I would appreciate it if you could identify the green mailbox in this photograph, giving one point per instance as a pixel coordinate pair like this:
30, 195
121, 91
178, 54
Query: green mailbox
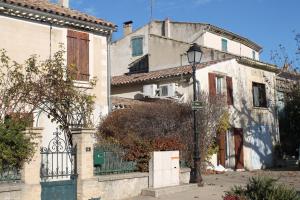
98, 157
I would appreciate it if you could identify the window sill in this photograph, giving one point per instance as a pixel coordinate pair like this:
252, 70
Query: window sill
82, 84
260, 108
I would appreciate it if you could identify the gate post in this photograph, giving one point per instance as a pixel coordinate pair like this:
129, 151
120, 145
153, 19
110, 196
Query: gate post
84, 141
31, 171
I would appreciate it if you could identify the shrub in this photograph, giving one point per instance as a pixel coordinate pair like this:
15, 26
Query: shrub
15, 147
161, 126
263, 188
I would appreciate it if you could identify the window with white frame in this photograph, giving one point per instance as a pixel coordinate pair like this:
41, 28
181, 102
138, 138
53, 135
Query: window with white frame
167, 90
220, 84
259, 95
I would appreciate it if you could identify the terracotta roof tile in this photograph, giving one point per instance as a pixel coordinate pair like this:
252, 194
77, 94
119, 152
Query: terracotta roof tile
48, 7
154, 75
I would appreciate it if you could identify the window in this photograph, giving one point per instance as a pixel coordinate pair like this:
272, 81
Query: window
164, 91
259, 95
140, 65
167, 90
253, 55
137, 46
224, 45
78, 55
219, 84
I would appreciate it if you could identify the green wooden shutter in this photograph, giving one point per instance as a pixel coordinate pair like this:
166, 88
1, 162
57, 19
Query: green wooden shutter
137, 46
224, 45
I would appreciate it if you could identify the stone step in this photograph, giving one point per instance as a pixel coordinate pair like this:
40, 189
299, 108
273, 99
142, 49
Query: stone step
157, 192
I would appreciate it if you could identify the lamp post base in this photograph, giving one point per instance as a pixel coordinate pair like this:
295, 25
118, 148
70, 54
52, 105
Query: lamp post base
196, 177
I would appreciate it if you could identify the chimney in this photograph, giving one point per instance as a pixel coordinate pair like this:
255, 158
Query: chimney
167, 28
127, 28
64, 3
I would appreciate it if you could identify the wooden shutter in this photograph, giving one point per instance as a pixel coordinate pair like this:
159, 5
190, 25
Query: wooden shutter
238, 148
78, 54
229, 90
212, 84
137, 46
84, 59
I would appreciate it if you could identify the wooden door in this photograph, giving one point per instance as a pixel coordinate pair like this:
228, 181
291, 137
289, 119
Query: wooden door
238, 148
222, 148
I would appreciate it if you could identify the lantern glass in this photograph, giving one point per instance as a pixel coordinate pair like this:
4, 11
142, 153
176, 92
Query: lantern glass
194, 54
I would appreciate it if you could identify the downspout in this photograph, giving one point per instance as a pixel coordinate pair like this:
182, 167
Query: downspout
108, 41
276, 109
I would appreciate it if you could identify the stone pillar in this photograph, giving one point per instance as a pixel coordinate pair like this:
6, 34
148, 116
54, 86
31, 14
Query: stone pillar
84, 140
31, 170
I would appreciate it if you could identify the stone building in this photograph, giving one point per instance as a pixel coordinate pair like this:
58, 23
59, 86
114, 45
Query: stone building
162, 44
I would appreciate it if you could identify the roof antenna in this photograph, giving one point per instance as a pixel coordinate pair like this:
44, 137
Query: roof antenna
151, 10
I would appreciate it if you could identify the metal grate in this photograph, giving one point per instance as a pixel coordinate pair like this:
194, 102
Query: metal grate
110, 160
10, 175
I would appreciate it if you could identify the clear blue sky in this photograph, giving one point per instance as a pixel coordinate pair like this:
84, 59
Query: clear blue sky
266, 22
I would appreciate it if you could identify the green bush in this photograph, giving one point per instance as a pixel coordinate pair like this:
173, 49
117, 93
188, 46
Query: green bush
15, 147
263, 188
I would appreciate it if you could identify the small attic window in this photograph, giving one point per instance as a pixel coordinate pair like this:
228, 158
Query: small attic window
137, 46
224, 45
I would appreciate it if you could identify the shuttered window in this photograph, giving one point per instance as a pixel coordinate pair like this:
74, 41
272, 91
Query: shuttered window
229, 90
78, 55
259, 95
216, 86
137, 46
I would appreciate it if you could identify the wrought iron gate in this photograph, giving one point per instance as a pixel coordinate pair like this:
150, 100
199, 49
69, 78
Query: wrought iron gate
58, 169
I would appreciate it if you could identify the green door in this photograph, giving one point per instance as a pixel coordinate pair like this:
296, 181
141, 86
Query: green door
59, 190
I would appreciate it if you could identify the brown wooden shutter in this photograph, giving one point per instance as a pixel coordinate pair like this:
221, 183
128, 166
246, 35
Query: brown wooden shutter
78, 54
238, 148
212, 84
229, 90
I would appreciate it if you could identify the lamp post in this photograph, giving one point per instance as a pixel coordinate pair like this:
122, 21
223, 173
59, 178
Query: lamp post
194, 55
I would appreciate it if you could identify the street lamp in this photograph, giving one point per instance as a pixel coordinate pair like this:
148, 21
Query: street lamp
194, 55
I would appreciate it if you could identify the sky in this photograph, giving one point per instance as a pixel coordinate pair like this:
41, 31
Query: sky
266, 22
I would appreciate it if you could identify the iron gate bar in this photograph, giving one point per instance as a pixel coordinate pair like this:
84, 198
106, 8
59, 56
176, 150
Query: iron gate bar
58, 159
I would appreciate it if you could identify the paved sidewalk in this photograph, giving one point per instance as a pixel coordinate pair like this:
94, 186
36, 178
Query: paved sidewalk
215, 185
202, 193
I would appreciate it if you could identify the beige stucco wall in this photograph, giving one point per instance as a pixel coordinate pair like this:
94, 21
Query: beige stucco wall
22, 38
121, 53
165, 53
215, 41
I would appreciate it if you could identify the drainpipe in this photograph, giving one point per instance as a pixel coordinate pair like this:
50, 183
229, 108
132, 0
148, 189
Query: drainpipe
109, 40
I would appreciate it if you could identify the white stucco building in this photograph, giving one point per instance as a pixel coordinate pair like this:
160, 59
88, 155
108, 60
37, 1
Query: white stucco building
249, 86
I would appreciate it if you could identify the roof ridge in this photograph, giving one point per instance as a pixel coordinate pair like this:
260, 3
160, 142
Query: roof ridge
162, 73
47, 7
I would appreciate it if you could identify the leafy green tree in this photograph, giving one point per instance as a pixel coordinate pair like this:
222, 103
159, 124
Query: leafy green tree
289, 122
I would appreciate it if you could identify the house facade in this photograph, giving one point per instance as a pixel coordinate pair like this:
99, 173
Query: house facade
162, 44
249, 87
40, 27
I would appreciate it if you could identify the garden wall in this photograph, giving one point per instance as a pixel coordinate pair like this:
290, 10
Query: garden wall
11, 191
